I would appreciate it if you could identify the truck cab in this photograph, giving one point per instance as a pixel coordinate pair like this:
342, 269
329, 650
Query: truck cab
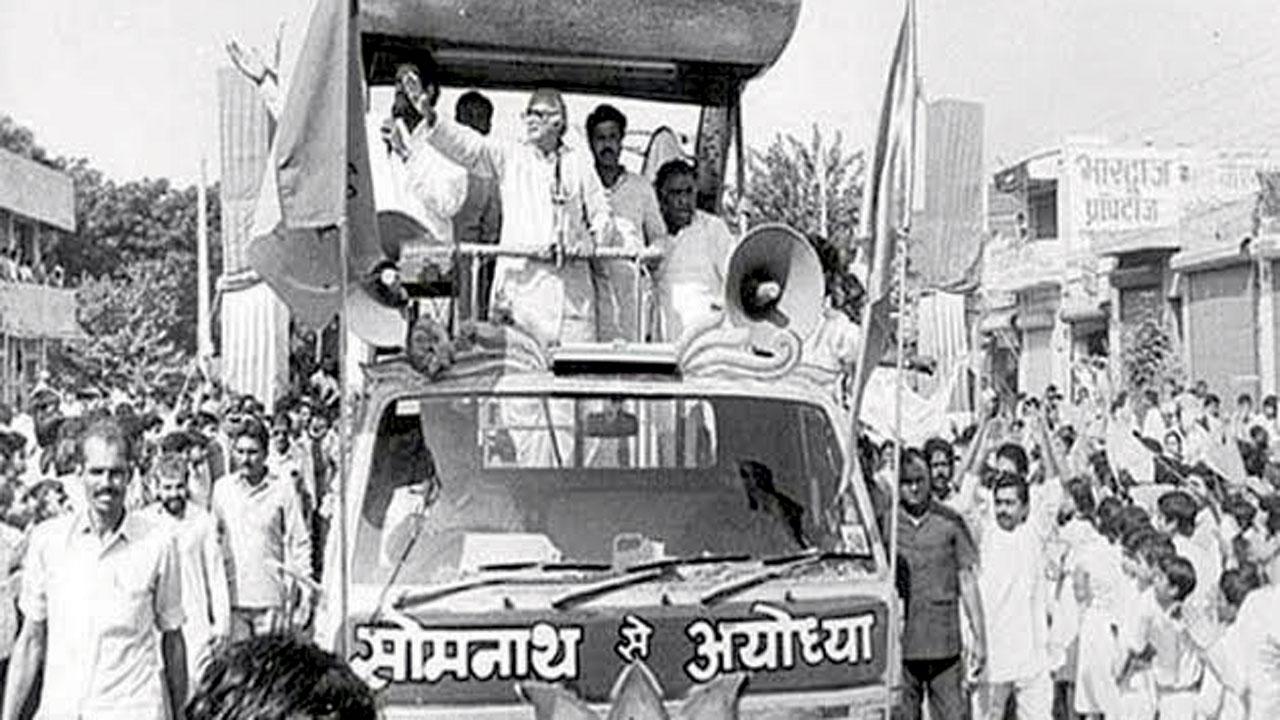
670, 529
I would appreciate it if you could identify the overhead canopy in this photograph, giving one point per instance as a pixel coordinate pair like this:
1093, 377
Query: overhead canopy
696, 51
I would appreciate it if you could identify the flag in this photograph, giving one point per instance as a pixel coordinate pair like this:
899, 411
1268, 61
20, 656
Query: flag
317, 176
886, 203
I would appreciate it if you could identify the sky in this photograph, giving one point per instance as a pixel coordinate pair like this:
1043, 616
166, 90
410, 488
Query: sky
130, 83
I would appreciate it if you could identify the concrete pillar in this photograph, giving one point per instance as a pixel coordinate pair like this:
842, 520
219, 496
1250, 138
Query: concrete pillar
1266, 334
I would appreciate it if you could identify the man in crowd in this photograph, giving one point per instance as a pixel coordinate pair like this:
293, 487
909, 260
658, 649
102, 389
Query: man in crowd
202, 564
102, 597
260, 515
480, 219
638, 218
551, 199
938, 569
1015, 597
696, 258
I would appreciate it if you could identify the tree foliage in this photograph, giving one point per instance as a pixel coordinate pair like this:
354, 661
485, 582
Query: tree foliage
133, 256
134, 337
20, 140
782, 185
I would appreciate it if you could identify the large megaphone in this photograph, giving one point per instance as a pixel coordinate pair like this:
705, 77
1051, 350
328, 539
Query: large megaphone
775, 278
376, 309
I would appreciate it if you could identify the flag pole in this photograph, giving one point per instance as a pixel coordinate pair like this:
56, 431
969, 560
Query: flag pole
904, 234
344, 442
204, 335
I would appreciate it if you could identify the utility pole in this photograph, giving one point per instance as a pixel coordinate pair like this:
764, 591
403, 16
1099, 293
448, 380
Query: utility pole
204, 336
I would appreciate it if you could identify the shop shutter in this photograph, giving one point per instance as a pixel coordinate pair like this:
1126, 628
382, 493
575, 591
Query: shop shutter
1221, 319
1035, 367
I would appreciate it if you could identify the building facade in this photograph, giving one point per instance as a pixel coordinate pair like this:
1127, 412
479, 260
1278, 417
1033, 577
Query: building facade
37, 211
1160, 259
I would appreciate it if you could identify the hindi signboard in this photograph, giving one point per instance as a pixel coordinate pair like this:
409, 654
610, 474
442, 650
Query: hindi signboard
1121, 190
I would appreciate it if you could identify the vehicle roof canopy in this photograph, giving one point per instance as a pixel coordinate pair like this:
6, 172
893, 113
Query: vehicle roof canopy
695, 51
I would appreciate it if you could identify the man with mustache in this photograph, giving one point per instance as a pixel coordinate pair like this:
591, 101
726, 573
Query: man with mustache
260, 515
637, 215
102, 596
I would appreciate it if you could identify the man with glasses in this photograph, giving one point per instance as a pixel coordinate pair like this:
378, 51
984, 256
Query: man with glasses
551, 199
938, 562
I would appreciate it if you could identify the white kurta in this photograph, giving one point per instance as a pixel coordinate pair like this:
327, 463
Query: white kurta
545, 198
640, 224
691, 279
205, 600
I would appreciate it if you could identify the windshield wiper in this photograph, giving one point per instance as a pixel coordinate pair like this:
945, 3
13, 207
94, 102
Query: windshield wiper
774, 568
638, 575
496, 574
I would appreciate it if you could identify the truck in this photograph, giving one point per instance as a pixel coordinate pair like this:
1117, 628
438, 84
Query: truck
626, 529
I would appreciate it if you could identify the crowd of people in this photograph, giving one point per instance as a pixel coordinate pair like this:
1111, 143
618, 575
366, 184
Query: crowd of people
139, 537
16, 267
1114, 556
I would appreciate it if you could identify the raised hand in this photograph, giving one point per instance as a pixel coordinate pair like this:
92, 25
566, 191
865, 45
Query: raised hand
248, 61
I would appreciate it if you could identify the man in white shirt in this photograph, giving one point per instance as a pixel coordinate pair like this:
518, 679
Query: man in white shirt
201, 561
691, 278
551, 200
1013, 581
637, 215
102, 596
260, 515
1176, 512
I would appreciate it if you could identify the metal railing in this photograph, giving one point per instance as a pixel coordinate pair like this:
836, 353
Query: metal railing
556, 254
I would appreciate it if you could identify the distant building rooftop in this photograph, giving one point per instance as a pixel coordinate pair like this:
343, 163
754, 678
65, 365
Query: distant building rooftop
36, 191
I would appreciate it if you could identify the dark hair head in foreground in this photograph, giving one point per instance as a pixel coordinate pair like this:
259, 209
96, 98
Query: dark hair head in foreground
276, 677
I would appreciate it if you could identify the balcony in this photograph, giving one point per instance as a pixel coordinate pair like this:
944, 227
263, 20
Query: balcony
38, 312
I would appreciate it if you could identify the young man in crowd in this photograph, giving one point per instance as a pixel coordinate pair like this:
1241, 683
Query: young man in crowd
1014, 585
201, 560
260, 515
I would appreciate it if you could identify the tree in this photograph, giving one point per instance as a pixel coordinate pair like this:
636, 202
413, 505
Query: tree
134, 334
20, 140
782, 185
135, 249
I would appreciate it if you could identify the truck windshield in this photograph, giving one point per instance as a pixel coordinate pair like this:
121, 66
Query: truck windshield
462, 482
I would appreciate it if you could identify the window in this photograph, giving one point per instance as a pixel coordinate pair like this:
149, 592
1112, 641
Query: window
527, 478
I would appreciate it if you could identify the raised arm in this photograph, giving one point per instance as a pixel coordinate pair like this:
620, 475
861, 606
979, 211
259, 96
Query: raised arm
459, 143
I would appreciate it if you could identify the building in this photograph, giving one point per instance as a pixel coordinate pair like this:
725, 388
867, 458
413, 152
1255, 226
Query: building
254, 348
37, 211
1044, 304
1097, 249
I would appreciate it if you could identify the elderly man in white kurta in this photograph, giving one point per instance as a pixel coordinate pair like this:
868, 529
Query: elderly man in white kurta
551, 197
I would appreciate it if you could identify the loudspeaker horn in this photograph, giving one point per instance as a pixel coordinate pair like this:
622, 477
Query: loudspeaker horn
775, 278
